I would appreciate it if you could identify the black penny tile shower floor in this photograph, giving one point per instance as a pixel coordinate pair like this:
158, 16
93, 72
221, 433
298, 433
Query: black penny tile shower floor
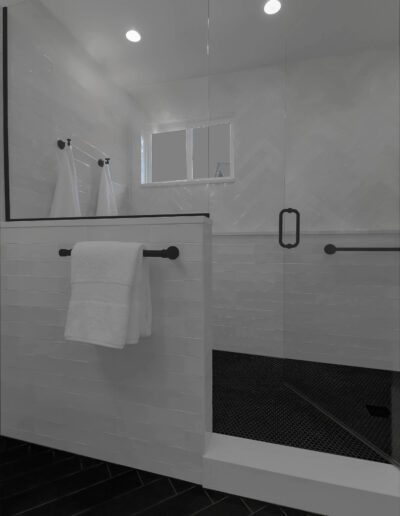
39, 481
258, 398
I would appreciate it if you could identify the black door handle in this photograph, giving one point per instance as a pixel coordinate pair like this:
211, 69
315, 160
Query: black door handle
281, 220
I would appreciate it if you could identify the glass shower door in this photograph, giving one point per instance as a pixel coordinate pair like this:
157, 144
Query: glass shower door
341, 282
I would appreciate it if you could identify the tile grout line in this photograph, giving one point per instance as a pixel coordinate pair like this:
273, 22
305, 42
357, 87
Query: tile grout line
208, 506
140, 478
84, 511
172, 486
245, 504
208, 495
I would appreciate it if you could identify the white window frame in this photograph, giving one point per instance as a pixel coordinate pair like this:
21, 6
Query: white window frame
146, 155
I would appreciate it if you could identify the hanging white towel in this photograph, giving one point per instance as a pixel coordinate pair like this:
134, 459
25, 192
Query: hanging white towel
106, 201
110, 301
66, 196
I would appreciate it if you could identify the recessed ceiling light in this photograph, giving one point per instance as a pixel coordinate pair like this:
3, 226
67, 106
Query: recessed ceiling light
133, 35
272, 7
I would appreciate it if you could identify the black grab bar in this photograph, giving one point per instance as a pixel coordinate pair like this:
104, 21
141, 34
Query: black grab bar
332, 249
172, 253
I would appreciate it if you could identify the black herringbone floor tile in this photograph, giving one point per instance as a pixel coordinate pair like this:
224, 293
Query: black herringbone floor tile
183, 504
45, 493
134, 501
230, 506
86, 498
19, 484
46, 482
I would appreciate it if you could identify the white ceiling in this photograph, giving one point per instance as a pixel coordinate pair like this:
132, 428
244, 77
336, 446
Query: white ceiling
175, 33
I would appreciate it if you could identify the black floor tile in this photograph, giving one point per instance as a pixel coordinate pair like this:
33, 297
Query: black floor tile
14, 453
22, 483
7, 443
181, 485
215, 496
135, 501
147, 476
231, 506
87, 462
45, 493
253, 505
270, 510
116, 469
88, 497
62, 455
26, 464
72, 485
184, 504
294, 512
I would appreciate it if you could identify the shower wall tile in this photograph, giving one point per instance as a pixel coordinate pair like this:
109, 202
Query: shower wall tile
247, 309
143, 406
306, 305
320, 135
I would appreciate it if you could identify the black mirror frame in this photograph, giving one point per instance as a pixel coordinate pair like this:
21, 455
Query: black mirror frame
5, 118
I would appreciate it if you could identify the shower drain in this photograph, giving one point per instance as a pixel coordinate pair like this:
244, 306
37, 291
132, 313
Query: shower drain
378, 411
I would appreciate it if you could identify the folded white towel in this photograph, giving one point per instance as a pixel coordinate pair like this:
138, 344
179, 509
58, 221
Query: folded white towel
110, 301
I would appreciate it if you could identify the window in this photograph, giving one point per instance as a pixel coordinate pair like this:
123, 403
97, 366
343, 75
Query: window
199, 154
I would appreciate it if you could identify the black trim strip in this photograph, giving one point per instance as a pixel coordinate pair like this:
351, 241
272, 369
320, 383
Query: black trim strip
5, 117
153, 216
7, 203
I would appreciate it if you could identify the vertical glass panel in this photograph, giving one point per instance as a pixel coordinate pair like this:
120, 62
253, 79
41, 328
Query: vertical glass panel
342, 173
247, 93
169, 156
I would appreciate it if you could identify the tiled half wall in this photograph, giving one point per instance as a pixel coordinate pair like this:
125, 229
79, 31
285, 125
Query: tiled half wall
144, 406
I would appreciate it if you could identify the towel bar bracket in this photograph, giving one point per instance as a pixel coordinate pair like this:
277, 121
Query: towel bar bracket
172, 253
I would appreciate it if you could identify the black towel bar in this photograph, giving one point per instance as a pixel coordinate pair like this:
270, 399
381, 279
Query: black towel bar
172, 253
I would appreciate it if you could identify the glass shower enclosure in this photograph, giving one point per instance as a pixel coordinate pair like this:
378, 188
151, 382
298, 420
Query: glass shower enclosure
313, 227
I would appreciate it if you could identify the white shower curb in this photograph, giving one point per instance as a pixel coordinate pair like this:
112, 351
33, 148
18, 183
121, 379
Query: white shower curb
312, 481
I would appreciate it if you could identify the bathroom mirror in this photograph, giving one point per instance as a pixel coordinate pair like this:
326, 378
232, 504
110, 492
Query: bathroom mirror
105, 100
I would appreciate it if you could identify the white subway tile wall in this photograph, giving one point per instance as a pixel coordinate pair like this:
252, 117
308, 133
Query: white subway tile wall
143, 406
304, 304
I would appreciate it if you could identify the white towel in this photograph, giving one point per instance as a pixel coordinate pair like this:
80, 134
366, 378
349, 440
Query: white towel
110, 301
66, 196
106, 200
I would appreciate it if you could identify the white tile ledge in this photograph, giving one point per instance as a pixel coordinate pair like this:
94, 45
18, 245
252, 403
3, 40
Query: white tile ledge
145, 221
